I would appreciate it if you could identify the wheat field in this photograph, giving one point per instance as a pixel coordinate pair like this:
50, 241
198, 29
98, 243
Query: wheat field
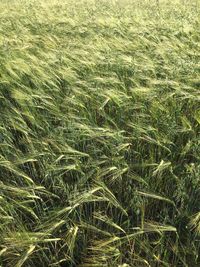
100, 133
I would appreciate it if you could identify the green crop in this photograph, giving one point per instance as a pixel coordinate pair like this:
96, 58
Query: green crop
99, 133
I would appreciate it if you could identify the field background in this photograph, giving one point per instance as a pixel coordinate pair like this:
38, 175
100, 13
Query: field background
99, 133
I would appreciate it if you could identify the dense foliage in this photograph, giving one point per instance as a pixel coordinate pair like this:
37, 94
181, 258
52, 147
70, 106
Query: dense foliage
99, 133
